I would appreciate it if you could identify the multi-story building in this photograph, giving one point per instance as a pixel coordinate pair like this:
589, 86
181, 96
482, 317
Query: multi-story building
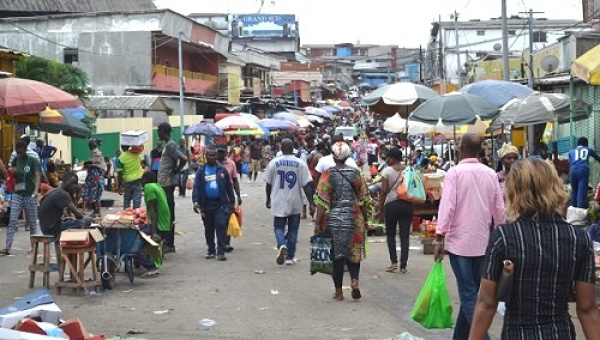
28, 8
478, 38
367, 63
124, 52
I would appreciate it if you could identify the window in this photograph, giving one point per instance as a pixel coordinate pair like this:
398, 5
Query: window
539, 37
71, 55
512, 32
480, 33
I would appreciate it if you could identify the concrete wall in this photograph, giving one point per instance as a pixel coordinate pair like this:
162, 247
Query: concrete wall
106, 125
63, 144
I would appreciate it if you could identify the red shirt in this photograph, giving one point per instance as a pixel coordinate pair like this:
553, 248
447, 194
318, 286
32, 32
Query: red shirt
229, 165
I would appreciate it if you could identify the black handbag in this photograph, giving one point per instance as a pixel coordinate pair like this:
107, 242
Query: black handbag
505, 283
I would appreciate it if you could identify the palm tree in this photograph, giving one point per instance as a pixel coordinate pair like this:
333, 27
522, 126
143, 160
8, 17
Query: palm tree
66, 77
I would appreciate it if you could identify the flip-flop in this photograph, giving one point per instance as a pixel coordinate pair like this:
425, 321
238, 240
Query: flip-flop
391, 268
4, 252
404, 271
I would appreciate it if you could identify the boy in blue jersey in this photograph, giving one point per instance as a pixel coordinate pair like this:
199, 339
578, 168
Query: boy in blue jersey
579, 173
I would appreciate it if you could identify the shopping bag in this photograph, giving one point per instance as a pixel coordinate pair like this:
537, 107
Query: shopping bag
433, 308
245, 168
234, 229
320, 255
412, 187
237, 211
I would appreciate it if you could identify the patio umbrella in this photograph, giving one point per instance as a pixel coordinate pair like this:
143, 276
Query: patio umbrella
399, 97
315, 119
343, 104
331, 109
497, 92
316, 111
50, 116
70, 126
276, 124
237, 122
24, 96
205, 129
304, 123
455, 108
537, 108
286, 116
80, 113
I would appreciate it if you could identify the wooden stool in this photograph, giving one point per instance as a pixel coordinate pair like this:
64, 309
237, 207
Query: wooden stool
73, 258
45, 266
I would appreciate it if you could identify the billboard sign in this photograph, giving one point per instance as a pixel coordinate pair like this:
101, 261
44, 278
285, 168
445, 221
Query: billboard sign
262, 26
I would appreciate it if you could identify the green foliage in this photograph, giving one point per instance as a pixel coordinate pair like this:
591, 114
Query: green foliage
170, 111
66, 77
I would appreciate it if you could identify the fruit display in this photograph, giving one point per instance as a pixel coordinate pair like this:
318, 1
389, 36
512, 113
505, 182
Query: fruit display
139, 215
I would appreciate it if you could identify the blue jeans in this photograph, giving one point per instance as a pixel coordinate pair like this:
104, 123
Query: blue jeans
291, 238
467, 271
216, 221
132, 191
579, 179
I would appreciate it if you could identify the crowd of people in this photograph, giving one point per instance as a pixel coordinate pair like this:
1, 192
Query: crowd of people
485, 215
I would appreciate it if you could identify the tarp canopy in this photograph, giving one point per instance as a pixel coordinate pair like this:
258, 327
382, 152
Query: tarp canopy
587, 67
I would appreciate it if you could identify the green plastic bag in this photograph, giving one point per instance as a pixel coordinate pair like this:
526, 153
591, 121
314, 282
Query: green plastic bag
433, 308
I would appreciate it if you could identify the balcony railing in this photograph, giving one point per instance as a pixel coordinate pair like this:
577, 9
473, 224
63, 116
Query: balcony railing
173, 72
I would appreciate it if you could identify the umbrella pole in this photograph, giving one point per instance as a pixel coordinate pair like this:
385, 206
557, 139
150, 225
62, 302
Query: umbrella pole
454, 133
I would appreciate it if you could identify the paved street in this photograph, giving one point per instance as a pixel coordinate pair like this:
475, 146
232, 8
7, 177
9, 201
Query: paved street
240, 301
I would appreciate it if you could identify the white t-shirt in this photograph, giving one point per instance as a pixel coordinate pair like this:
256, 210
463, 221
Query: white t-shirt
287, 176
327, 162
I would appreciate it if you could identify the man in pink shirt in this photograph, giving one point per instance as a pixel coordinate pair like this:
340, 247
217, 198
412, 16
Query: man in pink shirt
229, 165
471, 202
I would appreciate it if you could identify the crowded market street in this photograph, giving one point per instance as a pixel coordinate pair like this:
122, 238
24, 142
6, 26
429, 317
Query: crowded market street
241, 302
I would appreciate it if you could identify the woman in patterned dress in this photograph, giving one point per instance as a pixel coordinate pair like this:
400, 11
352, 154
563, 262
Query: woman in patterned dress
93, 187
548, 256
342, 199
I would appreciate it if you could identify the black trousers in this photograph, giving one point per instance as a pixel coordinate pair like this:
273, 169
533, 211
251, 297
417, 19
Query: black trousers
338, 271
169, 237
398, 213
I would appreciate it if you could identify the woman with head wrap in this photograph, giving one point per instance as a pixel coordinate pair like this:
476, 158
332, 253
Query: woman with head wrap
342, 198
508, 155
94, 182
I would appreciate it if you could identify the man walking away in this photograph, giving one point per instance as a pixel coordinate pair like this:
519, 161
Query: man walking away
130, 176
579, 174
472, 200
171, 163
213, 199
183, 175
286, 178
229, 165
256, 158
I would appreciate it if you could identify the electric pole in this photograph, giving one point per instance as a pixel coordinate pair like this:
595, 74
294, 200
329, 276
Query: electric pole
505, 64
458, 66
181, 81
389, 67
442, 59
530, 78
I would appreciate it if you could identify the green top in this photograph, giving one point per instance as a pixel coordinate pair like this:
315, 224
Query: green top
154, 192
131, 166
26, 170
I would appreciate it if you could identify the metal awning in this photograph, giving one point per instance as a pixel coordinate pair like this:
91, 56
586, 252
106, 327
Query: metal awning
150, 103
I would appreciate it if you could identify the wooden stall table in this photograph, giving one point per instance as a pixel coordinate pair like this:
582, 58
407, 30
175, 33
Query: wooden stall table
73, 258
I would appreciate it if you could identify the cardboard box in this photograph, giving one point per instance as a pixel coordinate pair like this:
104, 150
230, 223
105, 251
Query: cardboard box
75, 330
134, 137
29, 326
39, 304
150, 246
80, 237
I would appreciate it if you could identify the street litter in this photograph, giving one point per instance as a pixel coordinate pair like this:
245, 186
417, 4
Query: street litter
180, 233
160, 312
127, 291
259, 271
264, 308
407, 336
134, 331
36, 316
274, 292
207, 323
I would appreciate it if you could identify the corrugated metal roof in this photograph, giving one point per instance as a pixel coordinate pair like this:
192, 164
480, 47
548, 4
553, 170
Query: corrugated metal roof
153, 103
70, 6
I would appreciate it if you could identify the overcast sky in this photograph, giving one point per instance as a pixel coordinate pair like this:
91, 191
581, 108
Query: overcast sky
387, 22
